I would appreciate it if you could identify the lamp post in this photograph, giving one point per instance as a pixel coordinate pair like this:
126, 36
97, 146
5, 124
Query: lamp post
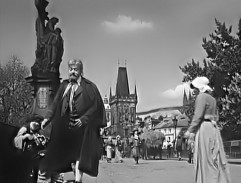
174, 120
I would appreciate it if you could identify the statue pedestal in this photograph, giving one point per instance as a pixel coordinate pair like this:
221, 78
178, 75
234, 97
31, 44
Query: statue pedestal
44, 88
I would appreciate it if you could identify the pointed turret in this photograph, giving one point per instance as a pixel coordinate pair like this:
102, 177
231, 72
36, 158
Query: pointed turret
110, 96
190, 97
185, 99
122, 85
136, 94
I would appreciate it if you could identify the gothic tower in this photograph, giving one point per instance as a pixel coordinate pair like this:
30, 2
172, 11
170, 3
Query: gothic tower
185, 99
123, 106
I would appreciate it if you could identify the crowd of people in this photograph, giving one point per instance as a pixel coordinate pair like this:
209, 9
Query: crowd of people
116, 148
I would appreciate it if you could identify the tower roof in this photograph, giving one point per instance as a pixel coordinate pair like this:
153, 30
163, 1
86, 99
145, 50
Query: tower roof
136, 93
185, 99
190, 97
122, 85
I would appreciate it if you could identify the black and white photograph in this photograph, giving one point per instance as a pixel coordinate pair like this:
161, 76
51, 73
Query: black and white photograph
120, 91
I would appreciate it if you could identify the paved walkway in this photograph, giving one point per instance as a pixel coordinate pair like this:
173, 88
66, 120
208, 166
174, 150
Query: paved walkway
149, 171
234, 161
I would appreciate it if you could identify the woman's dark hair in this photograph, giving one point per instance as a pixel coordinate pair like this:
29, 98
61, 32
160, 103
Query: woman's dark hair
36, 127
34, 117
191, 86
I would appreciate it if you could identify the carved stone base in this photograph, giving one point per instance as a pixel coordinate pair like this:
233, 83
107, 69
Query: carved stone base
44, 88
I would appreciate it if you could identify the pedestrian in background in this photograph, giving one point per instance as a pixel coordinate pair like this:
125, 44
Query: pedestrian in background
209, 157
169, 149
102, 145
179, 147
143, 149
135, 145
190, 148
127, 148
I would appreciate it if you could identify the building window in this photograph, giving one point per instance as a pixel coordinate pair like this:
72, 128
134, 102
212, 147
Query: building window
105, 101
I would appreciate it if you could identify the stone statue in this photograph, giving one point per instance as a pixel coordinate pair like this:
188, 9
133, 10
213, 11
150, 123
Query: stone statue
50, 47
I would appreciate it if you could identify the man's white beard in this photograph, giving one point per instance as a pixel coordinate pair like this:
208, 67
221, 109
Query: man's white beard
73, 78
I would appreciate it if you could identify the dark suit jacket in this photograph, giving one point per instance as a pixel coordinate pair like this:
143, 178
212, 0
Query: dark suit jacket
84, 143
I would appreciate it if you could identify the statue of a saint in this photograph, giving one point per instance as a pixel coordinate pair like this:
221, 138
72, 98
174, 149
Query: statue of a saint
50, 48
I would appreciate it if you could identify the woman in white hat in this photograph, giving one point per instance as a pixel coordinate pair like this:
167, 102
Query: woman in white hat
135, 145
209, 156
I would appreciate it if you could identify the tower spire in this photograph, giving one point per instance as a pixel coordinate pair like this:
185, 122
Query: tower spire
136, 93
110, 93
185, 99
190, 97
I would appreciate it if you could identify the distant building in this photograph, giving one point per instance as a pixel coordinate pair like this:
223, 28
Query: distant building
123, 106
107, 110
162, 119
170, 131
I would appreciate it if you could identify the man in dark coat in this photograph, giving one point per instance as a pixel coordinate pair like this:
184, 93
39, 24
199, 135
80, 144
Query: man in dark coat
77, 114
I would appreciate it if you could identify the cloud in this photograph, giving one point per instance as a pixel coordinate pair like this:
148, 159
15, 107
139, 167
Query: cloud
176, 93
126, 24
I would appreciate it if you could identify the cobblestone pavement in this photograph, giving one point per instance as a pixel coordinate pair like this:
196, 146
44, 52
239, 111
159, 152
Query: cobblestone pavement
149, 171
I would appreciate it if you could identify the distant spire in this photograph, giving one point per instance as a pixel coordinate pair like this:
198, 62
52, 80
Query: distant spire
110, 95
136, 93
190, 97
110, 92
185, 100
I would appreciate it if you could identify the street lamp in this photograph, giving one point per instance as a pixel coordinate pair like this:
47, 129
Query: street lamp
174, 120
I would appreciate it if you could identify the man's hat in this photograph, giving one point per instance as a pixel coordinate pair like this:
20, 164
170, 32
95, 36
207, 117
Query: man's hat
136, 129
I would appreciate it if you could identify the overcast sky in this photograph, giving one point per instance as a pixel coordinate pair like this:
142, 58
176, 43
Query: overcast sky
154, 37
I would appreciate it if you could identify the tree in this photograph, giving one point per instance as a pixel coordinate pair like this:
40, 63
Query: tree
231, 109
189, 109
15, 92
153, 138
221, 66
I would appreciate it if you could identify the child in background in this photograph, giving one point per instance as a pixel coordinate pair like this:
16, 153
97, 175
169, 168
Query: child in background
28, 132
